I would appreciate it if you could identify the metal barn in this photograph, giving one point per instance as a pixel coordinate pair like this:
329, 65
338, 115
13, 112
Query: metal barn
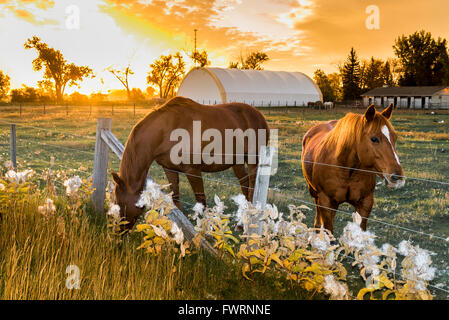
255, 87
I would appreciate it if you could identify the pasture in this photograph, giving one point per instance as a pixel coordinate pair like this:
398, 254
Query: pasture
421, 206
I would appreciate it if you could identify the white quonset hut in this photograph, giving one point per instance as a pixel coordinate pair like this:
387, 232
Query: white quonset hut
259, 88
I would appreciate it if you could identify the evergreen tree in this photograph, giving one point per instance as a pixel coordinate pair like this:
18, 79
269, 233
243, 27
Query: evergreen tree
387, 75
350, 73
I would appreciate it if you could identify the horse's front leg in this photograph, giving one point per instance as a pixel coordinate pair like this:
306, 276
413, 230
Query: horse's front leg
173, 179
326, 209
196, 182
363, 207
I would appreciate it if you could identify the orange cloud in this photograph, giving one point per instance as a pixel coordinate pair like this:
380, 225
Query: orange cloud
28, 10
337, 26
178, 19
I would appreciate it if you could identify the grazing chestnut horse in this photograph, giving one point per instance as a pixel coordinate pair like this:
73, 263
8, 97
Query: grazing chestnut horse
151, 140
365, 143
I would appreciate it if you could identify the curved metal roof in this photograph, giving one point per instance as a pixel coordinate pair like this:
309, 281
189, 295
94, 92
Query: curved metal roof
250, 85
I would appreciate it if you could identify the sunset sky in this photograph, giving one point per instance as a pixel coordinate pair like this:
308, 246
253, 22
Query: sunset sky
298, 35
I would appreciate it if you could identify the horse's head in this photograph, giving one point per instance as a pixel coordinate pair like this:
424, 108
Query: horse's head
126, 199
377, 146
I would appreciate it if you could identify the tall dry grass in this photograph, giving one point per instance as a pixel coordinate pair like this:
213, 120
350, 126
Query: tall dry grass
36, 250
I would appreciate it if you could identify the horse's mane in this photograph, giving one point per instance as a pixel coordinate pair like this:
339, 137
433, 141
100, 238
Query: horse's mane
348, 131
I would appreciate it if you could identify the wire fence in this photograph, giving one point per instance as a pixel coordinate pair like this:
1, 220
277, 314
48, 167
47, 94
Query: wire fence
55, 146
65, 149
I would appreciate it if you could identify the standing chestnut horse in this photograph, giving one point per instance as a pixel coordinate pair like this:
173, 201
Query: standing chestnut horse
340, 160
150, 140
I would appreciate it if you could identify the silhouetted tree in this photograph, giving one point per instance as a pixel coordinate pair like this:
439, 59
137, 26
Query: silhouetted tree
424, 60
200, 58
371, 74
325, 86
24, 94
166, 74
122, 76
4, 85
252, 61
56, 68
137, 95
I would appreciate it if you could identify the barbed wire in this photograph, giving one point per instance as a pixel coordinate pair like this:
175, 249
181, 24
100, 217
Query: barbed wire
329, 165
48, 130
375, 266
446, 239
279, 192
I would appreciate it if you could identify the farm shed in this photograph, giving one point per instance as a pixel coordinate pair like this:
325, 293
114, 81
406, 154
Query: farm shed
256, 87
433, 97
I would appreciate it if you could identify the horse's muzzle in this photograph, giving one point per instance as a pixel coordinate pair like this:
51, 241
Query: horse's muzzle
394, 181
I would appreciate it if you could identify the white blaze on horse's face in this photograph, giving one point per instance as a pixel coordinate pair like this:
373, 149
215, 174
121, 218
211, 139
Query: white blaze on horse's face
386, 133
398, 183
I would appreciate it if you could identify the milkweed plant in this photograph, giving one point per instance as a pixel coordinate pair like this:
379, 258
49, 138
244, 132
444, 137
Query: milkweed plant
308, 257
271, 242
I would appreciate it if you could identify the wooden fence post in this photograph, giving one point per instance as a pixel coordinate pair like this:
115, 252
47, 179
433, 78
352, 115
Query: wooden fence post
99, 175
20, 109
261, 186
12, 142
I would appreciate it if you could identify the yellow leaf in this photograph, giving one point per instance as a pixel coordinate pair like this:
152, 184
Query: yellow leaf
294, 277
152, 215
254, 260
308, 285
386, 282
144, 244
276, 258
141, 227
363, 292
229, 249
246, 269
232, 238
387, 293
197, 240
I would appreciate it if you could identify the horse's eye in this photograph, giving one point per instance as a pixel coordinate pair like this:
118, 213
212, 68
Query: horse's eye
375, 140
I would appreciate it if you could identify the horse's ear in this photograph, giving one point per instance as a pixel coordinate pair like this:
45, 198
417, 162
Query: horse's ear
118, 181
370, 113
387, 113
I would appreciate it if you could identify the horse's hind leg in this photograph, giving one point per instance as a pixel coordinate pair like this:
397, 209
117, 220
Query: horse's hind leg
196, 182
241, 174
173, 179
317, 215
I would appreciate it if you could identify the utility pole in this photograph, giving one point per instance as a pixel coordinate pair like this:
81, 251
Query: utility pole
194, 52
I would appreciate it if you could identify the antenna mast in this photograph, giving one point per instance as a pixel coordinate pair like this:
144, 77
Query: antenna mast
194, 52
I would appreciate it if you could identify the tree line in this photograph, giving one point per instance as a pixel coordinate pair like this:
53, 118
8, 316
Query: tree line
164, 76
420, 60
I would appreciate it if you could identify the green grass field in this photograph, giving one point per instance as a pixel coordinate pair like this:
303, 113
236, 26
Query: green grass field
423, 147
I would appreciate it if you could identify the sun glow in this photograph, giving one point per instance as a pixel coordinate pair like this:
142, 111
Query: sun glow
99, 43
